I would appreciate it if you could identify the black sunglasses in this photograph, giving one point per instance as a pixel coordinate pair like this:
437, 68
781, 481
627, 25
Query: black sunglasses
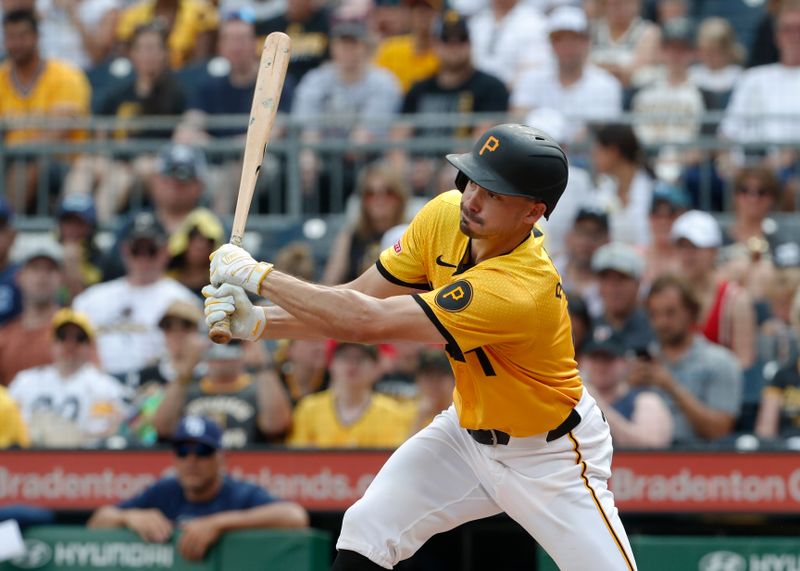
148, 249
80, 336
199, 449
175, 323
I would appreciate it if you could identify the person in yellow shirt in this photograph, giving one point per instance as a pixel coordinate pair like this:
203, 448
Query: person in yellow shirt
32, 87
350, 414
13, 431
191, 24
470, 273
411, 57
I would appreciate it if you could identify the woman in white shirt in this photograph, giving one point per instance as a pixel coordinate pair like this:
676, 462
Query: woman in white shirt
624, 186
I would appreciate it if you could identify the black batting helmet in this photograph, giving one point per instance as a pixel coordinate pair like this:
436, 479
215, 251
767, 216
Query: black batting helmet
515, 160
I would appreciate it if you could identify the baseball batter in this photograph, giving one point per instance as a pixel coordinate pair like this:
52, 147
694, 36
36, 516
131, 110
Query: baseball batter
523, 436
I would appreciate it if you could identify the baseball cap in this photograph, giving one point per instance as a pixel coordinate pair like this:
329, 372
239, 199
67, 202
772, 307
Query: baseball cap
678, 30
568, 19
433, 359
68, 316
618, 257
353, 29
181, 162
452, 26
195, 428
80, 205
6, 213
674, 196
45, 249
182, 309
146, 225
787, 255
370, 350
592, 213
231, 351
609, 347
699, 228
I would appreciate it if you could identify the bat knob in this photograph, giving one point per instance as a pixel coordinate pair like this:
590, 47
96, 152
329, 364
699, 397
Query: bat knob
221, 332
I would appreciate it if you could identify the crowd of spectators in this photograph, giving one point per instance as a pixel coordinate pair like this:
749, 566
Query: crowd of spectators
684, 302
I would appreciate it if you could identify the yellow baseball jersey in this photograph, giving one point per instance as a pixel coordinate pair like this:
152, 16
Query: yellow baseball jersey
194, 17
12, 428
399, 56
315, 423
508, 332
61, 89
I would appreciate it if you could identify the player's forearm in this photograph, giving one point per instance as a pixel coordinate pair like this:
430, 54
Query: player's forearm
337, 313
283, 325
278, 514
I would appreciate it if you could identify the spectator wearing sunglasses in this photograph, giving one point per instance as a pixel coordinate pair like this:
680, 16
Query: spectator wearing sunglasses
70, 402
201, 499
126, 310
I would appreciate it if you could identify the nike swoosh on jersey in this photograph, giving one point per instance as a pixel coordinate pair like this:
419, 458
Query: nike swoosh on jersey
440, 262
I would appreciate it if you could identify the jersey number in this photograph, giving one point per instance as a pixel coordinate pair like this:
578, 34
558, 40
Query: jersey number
559, 290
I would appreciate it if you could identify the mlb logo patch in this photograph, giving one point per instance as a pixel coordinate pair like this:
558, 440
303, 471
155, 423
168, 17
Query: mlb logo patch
397, 247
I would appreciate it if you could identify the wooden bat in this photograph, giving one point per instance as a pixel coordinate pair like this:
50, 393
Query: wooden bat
267, 95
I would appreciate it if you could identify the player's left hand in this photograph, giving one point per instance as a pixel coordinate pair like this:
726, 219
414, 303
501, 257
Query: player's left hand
234, 265
197, 536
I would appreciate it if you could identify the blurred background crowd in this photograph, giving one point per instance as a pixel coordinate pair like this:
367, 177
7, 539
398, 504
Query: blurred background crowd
123, 123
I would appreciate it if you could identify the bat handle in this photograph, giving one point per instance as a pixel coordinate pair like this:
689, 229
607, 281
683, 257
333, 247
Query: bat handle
221, 332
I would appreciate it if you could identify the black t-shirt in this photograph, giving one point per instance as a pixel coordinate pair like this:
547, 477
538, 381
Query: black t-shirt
309, 40
787, 382
167, 98
481, 93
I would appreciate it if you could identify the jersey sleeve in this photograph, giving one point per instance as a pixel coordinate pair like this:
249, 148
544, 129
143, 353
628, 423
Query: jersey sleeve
403, 263
258, 496
482, 308
152, 497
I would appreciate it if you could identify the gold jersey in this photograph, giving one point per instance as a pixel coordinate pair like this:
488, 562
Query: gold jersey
384, 424
505, 320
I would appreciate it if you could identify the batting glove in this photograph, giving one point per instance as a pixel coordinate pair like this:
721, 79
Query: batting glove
247, 321
233, 265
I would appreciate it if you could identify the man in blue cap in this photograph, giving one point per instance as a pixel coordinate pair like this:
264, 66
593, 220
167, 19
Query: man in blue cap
200, 499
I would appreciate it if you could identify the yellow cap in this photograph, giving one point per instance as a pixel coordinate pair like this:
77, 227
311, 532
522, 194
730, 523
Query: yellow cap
206, 222
67, 315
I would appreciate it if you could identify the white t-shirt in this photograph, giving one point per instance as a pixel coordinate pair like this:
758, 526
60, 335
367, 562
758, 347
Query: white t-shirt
89, 399
579, 193
58, 38
678, 108
508, 47
763, 91
596, 96
126, 320
629, 223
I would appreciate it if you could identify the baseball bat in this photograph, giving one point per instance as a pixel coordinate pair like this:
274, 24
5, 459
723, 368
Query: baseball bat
267, 95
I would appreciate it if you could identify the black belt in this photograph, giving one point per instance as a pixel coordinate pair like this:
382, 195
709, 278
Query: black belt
495, 437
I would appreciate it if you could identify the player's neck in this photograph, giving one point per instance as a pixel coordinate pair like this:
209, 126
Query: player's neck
484, 249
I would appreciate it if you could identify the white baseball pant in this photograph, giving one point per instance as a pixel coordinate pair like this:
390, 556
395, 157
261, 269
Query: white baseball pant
441, 478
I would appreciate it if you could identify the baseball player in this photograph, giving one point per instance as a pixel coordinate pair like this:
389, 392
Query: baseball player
523, 436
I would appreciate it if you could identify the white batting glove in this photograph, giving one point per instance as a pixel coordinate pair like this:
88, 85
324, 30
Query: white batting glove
234, 265
247, 321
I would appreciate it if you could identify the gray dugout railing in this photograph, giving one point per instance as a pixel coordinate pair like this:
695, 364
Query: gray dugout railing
281, 190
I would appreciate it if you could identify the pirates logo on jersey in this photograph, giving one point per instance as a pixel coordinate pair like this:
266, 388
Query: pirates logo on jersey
455, 296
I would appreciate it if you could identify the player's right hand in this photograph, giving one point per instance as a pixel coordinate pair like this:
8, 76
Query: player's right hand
247, 321
150, 525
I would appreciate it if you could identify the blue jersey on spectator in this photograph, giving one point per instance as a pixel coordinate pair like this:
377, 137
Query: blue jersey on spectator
10, 296
167, 496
